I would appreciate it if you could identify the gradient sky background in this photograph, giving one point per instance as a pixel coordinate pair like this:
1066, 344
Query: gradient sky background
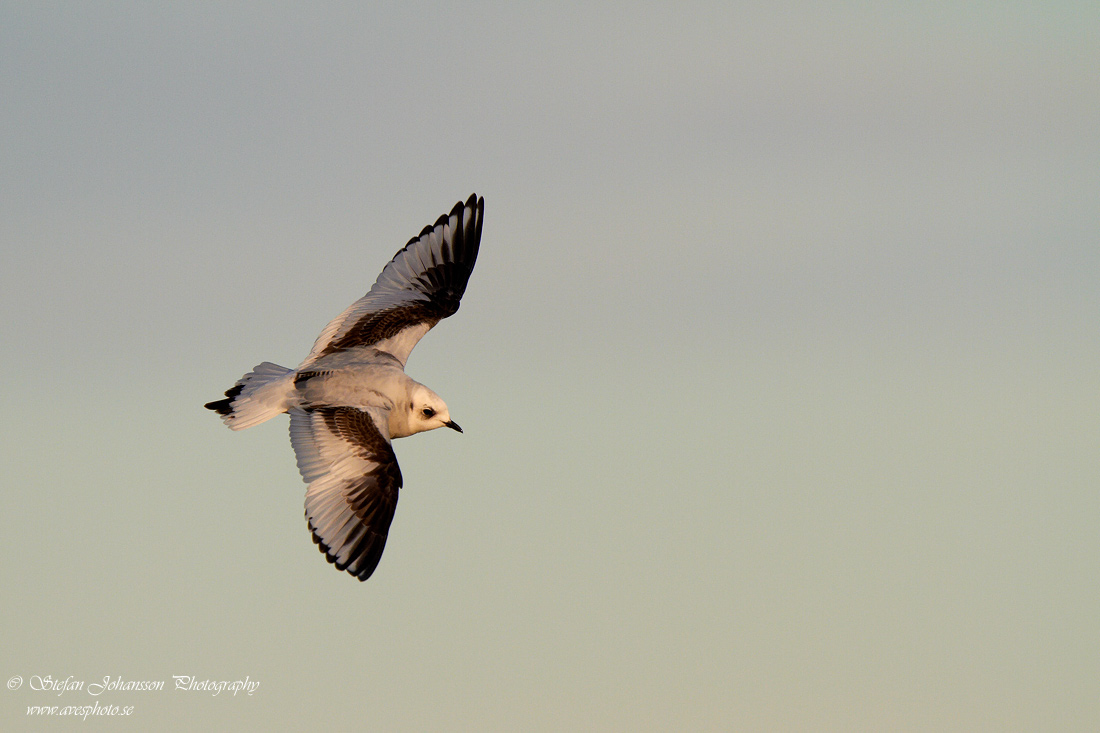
780, 368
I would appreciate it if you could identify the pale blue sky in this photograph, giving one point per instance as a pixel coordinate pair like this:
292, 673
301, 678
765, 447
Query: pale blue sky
779, 369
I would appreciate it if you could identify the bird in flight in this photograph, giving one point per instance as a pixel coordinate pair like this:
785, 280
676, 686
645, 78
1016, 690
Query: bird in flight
351, 397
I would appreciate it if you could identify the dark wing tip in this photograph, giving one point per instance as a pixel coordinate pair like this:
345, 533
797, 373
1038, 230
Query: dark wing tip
450, 278
368, 554
475, 203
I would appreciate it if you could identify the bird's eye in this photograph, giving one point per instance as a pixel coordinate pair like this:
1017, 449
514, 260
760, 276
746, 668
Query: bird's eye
427, 412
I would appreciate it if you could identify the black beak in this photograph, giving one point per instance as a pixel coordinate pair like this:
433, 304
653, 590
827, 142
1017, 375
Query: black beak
453, 425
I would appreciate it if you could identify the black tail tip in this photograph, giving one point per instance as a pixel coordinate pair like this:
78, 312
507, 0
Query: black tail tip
222, 407
225, 407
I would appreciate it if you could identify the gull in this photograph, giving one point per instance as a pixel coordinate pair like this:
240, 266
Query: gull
351, 397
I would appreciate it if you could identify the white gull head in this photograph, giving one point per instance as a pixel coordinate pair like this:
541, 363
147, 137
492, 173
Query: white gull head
424, 410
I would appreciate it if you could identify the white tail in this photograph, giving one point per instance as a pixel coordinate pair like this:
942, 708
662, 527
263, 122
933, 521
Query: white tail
259, 395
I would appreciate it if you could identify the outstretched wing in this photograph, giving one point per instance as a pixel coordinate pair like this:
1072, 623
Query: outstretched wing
421, 285
344, 454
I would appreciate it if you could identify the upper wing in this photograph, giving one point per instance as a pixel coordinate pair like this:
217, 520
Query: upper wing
346, 458
421, 285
